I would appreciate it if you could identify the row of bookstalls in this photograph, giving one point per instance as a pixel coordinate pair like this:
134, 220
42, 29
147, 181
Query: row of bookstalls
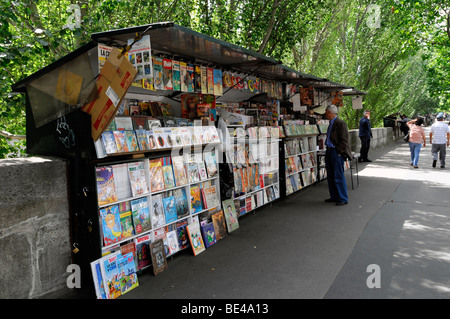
171, 137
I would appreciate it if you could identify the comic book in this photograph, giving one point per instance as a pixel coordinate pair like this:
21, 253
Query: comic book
170, 210
169, 180
158, 255
127, 272
138, 180
158, 81
211, 164
202, 171
176, 75
190, 77
181, 202
126, 219
158, 133
141, 215
111, 227
106, 188
183, 76
218, 88
109, 143
151, 141
208, 234
210, 80
195, 238
156, 174
230, 215
158, 218
220, 227
211, 197
110, 273
197, 79
179, 170
172, 241
193, 172
142, 244
196, 200
121, 144
98, 280
142, 140
183, 239
167, 74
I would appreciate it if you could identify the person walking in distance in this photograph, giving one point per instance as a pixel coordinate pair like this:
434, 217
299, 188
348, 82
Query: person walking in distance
416, 140
365, 134
338, 150
439, 140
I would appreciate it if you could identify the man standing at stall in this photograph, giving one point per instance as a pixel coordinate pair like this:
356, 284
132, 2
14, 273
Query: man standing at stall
338, 150
365, 134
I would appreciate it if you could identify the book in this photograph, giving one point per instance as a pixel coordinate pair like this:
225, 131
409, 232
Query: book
208, 234
123, 123
204, 80
211, 198
220, 227
158, 255
131, 141
106, 188
211, 164
210, 80
190, 78
195, 238
109, 142
181, 202
138, 180
172, 241
119, 137
179, 170
97, 277
142, 140
169, 181
167, 74
193, 172
170, 211
202, 171
111, 227
230, 215
141, 215
157, 216
218, 88
126, 219
176, 75
142, 245
110, 273
156, 175
183, 239
127, 276
158, 134
196, 201
183, 76
122, 181
158, 81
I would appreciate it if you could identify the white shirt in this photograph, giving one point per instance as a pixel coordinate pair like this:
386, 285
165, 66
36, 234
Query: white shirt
439, 130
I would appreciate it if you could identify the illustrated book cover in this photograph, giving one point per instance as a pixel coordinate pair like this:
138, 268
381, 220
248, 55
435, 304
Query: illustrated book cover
230, 215
220, 227
170, 210
158, 255
196, 200
138, 179
156, 175
127, 272
209, 234
141, 215
158, 218
195, 238
111, 227
181, 202
106, 188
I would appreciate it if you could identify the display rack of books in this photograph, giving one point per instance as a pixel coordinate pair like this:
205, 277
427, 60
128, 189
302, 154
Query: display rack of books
253, 161
322, 126
300, 156
142, 201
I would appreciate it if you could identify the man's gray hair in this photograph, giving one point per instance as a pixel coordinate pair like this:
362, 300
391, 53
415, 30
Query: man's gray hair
332, 108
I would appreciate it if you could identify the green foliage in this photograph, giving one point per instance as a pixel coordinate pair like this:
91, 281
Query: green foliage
403, 64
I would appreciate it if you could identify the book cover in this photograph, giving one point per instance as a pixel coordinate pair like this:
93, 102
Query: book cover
158, 81
109, 142
138, 180
183, 76
204, 80
127, 273
156, 175
169, 139
167, 74
197, 79
158, 218
151, 141
202, 171
211, 197
211, 164
169, 180
158, 255
183, 239
106, 188
230, 215
179, 170
218, 88
142, 140
209, 234
176, 75
141, 215
131, 141
98, 280
190, 77
196, 201
220, 227
121, 144
193, 173
159, 136
143, 258
126, 219
110, 275
122, 181
195, 238
123, 123
186, 136
111, 227
181, 202
172, 241
210, 80
170, 211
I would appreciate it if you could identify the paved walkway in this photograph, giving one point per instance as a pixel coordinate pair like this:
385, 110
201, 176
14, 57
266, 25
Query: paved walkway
302, 248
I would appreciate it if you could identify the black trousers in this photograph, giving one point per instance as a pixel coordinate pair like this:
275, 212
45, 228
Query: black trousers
365, 145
